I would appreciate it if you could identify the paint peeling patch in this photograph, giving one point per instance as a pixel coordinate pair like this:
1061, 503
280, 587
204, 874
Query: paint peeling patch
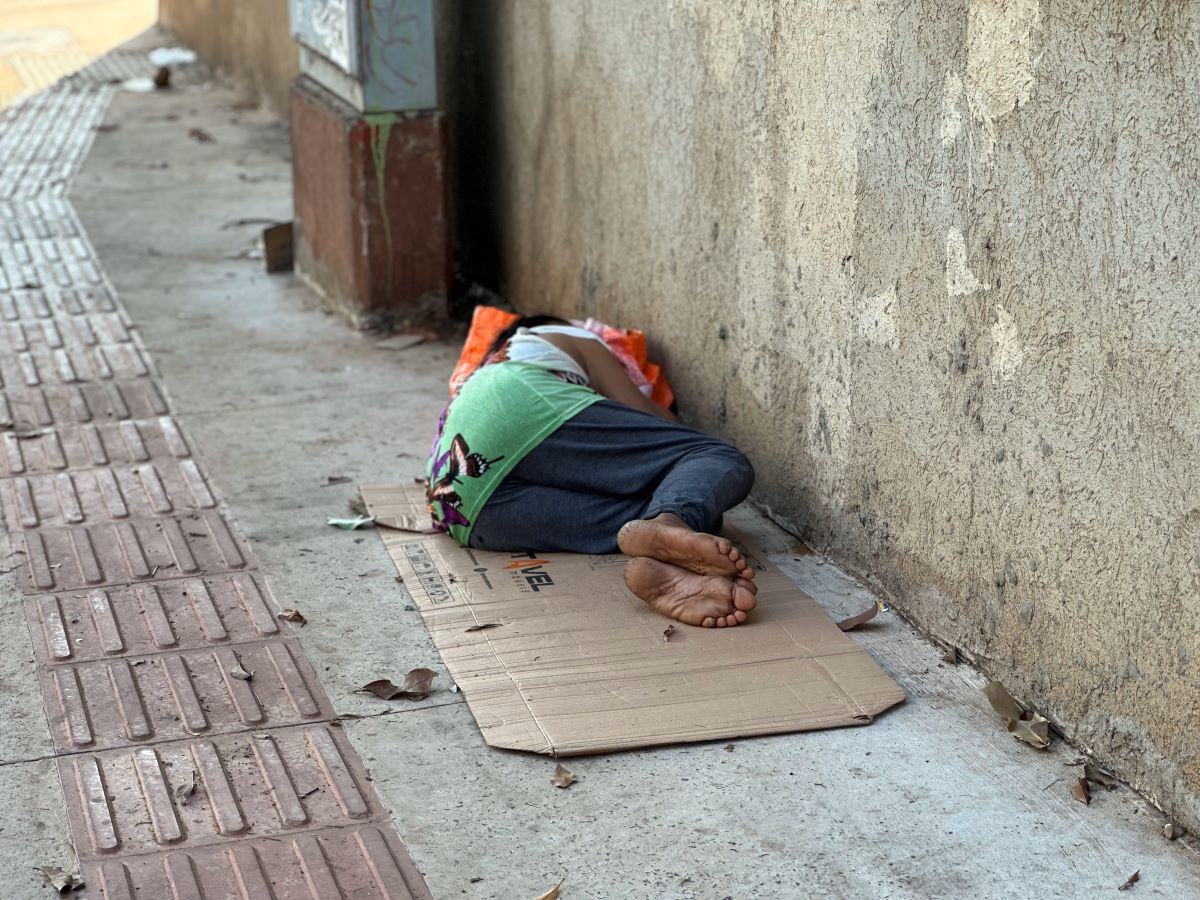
960, 279
952, 119
1000, 61
873, 319
1007, 353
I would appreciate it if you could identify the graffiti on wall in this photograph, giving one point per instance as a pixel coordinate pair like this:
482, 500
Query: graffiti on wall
327, 28
388, 46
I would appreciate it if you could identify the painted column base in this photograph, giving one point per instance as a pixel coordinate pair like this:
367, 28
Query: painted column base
372, 208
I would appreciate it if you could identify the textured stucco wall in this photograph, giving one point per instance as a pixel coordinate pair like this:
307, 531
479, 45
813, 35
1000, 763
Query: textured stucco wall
932, 265
249, 39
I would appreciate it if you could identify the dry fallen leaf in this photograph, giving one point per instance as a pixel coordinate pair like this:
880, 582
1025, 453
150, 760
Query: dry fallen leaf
551, 894
418, 684
200, 135
1131, 881
562, 777
1032, 729
484, 627
951, 656
1099, 776
728, 748
1172, 832
63, 882
293, 615
184, 791
854, 621
1002, 702
667, 632
1024, 726
241, 674
1079, 790
413, 524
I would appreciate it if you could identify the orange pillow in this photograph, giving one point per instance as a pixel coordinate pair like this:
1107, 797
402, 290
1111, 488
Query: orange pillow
488, 321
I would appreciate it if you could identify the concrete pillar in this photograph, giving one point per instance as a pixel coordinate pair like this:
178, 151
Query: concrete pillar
370, 166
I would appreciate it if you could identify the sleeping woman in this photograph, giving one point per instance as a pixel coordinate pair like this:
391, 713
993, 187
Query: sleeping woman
549, 445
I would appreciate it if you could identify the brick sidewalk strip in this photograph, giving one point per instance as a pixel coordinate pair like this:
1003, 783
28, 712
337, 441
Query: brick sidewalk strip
198, 753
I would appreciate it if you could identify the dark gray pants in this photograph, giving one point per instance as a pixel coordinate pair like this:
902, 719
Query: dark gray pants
608, 465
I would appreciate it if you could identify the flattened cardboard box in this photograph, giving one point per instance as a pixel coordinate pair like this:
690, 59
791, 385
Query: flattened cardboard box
575, 663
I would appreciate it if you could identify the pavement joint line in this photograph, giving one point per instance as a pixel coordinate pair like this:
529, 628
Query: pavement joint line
125, 793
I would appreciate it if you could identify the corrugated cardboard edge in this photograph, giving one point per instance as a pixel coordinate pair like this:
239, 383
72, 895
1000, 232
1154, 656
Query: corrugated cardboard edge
446, 607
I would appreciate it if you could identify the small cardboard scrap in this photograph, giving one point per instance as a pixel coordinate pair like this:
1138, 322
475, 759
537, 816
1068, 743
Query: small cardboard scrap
580, 665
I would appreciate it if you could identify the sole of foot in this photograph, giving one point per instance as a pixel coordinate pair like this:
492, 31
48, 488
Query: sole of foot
709, 601
703, 554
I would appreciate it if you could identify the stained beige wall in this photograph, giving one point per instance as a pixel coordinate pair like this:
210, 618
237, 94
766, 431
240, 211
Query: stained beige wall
934, 266
249, 39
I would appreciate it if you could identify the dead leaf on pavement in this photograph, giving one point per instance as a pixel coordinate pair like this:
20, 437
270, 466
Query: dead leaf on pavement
184, 791
1099, 776
418, 684
241, 674
1079, 790
1172, 832
951, 656
854, 621
728, 748
63, 882
1002, 702
1131, 881
399, 522
293, 615
551, 894
200, 135
1025, 726
667, 632
562, 777
1032, 729
484, 627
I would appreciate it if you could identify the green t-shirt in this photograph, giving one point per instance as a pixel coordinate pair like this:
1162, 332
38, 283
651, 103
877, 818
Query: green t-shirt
500, 414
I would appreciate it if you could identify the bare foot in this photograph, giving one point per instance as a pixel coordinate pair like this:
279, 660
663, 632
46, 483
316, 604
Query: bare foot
711, 601
668, 539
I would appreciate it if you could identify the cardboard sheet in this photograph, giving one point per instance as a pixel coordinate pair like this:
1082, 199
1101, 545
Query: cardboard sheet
577, 664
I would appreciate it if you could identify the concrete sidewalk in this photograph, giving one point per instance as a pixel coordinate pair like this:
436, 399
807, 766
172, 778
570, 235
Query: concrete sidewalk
932, 800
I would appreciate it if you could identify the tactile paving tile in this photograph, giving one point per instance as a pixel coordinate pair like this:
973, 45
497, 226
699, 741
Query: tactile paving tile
196, 747
82, 332
40, 216
25, 408
33, 302
261, 784
43, 139
40, 364
366, 863
102, 495
84, 556
35, 450
171, 696
177, 614
117, 66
